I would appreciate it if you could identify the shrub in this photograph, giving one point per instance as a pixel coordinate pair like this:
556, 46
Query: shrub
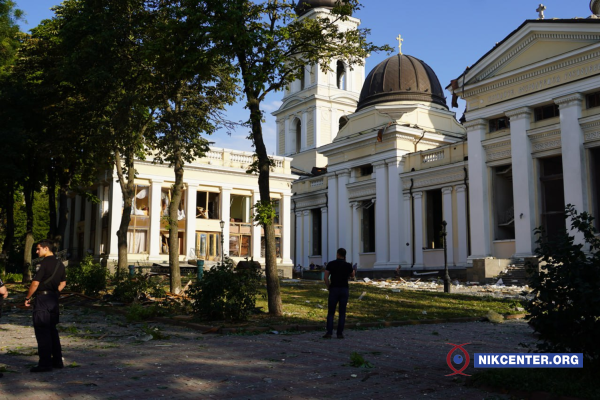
226, 292
129, 289
87, 277
566, 308
13, 278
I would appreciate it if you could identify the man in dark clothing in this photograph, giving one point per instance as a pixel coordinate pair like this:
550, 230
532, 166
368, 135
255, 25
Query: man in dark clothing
3, 295
46, 285
340, 271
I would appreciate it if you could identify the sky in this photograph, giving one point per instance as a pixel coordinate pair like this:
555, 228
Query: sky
447, 35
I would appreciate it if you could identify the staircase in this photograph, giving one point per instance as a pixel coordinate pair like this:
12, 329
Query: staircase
515, 274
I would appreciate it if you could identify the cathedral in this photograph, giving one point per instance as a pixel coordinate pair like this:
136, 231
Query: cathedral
384, 167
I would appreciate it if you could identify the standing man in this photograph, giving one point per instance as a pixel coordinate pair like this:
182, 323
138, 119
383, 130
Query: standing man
46, 285
3, 295
340, 271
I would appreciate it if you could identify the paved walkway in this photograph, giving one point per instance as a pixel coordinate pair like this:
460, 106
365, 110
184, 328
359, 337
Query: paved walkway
113, 361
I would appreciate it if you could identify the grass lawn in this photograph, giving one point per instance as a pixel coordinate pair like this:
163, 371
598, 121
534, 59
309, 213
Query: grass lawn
306, 303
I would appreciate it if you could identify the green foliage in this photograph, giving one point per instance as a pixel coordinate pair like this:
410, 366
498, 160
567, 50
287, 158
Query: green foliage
357, 360
226, 292
264, 213
137, 312
87, 277
155, 333
129, 289
13, 278
566, 308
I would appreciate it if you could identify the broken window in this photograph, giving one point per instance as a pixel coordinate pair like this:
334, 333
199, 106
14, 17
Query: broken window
595, 176
341, 75
316, 232
593, 100
553, 196
434, 218
366, 170
504, 208
298, 136
207, 205
368, 226
240, 226
139, 224
546, 112
165, 200
498, 124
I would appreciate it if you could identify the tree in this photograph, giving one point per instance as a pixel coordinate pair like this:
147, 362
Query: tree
269, 44
192, 84
566, 303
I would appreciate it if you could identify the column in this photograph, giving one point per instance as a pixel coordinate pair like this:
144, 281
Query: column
225, 216
324, 234
256, 230
447, 215
67, 237
332, 206
304, 134
155, 209
316, 118
356, 249
382, 244
418, 227
573, 159
190, 221
77, 252
98, 232
286, 238
344, 222
523, 182
478, 195
395, 208
288, 138
407, 243
298, 252
306, 231
114, 218
461, 216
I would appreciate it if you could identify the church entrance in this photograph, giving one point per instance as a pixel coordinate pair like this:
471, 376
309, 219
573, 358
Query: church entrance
553, 196
208, 245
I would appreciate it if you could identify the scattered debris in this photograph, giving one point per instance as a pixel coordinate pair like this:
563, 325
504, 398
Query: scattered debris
494, 317
362, 295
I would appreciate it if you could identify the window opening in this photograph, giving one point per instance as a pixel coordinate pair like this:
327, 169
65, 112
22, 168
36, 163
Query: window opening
434, 218
546, 112
368, 226
499, 124
341, 75
553, 196
504, 209
298, 136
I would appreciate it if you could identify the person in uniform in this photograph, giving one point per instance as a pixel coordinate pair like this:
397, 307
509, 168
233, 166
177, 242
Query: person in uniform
3, 295
48, 282
336, 279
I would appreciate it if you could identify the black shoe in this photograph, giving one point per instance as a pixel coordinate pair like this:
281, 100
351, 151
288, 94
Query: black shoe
327, 336
58, 365
340, 336
40, 369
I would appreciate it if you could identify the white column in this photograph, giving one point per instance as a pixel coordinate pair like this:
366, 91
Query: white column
225, 216
344, 222
407, 244
395, 209
306, 234
324, 234
286, 239
190, 222
67, 238
299, 253
76, 219
382, 237
356, 231
523, 182
418, 245
289, 141
304, 135
114, 218
155, 208
573, 159
87, 227
447, 212
461, 216
256, 230
478, 195
332, 194
98, 232
316, 119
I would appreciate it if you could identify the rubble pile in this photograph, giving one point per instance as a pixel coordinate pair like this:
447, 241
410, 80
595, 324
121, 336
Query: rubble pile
498, 289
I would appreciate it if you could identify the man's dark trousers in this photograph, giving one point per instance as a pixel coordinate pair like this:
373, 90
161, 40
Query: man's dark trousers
45, 318
337, 295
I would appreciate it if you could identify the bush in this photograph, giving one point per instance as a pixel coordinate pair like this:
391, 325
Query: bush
129, 289
566, 308
13, 278
226, 292
87, 277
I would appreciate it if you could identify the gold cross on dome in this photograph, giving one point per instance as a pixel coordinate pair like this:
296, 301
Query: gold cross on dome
400, 40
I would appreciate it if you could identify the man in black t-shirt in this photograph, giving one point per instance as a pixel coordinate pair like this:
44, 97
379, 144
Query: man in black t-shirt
336, 279
46, 285
3, 295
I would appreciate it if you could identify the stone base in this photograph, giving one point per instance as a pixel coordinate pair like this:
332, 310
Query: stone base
486, 268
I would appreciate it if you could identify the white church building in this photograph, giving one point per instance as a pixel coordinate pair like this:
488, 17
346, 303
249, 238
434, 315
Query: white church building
382, 161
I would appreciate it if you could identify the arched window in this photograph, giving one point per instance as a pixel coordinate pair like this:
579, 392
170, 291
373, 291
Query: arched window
341, 75
298, 136
343, 121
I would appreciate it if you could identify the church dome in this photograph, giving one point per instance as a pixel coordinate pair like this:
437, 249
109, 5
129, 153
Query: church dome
401, 78
305, 6
595, 7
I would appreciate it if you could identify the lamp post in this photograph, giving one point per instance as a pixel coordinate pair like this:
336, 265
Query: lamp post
446, 274
222, 223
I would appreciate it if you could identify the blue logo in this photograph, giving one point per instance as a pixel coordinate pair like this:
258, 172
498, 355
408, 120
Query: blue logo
458, 359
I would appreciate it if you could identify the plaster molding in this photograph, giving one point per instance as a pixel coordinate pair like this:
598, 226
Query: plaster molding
590, 124
379, 165
343, 173
447, 190
543, 135
592, 136
461, 188
298, 214
312, 202
499, 155
476, 124
439, 177
495, 145
306, 213
324, 210
406, 197
365, 192
573, 99
543, 146
418, 195
519, 113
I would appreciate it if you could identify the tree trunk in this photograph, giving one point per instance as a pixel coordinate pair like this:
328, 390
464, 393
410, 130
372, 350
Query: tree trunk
63, 216
127, 188
173, 226
29, 198
9, 208
52, 200
264, 165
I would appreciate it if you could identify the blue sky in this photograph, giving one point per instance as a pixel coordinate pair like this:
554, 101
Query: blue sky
447, 35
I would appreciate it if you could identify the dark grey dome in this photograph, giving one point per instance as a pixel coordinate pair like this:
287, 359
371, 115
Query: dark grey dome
401, 78
595, 6
305, 6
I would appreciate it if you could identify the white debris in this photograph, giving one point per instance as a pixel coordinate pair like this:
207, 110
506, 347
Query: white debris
362, 295
367, 280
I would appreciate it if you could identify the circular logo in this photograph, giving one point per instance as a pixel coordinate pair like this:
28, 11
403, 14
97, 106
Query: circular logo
458, 359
